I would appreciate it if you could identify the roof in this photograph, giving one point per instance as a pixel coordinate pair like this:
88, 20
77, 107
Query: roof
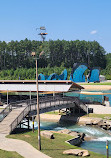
43, 85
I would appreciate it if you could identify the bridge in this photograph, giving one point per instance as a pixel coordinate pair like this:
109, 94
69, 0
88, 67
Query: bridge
16, 112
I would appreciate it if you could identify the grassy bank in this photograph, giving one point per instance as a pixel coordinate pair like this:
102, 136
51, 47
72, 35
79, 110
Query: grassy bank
52, 147
103, 83
97, 115
89, 115
9, 154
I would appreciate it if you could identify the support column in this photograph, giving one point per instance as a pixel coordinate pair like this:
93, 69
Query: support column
20, 125
28, 123
0, 97
53, 93
30, 97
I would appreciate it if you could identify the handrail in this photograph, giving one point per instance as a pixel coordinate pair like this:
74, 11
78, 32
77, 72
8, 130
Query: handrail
50, 100
5, 112
19, 118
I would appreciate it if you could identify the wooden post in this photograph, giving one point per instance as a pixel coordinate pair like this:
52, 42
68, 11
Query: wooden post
33, 123
107, 151
38, 113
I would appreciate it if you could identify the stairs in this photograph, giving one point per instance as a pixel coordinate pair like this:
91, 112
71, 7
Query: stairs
5, 124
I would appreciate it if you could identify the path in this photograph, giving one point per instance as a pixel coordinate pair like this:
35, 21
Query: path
5, 124
21, 147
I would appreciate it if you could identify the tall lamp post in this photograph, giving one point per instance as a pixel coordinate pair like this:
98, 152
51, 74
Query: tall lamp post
43, 35
38, 112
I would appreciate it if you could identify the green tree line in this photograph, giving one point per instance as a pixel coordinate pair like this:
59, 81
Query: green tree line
16, 59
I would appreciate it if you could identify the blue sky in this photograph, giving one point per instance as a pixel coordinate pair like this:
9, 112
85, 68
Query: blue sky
64, 19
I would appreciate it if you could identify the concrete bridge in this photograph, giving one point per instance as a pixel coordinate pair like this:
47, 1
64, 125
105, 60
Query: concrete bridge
16, 112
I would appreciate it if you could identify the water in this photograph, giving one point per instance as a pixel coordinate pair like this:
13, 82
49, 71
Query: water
98, 144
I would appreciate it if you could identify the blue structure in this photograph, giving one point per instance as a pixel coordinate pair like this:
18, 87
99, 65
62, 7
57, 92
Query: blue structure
94, 75
77, 74
63, 75
41, 77
52, 77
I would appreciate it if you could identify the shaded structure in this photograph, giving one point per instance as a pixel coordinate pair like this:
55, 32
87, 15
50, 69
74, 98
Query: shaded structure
43, 86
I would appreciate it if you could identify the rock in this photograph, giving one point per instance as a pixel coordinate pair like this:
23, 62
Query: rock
82, 135
85, 153
76, 152
95, 122
75, 141
64, 131
107, 118
75, 134
88, 123
73, 152
47, 134
88, 138
103, 124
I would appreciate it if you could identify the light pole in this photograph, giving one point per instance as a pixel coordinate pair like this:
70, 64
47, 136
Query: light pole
38, 113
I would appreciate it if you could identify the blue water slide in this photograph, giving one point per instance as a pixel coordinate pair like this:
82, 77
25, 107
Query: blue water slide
41, 77
63, 75
94, 75
52, 77
77, 74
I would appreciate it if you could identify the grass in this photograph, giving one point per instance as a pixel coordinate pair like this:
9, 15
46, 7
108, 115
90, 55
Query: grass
97, 115
9, 154
53, 112
52, 147
103, 83
87, 115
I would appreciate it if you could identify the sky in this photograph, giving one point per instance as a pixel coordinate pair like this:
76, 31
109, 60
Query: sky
64, 19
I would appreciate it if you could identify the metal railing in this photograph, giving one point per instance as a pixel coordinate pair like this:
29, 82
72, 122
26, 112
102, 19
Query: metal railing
19, 118
51, 102
5, 112
44, 103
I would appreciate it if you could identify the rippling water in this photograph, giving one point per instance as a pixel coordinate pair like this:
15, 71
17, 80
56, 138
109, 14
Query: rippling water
98, 144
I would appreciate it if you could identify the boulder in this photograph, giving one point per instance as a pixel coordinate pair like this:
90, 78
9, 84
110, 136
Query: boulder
95, 122
74, 134
82, 135
89, 122
47, 134
107, 118
64, 131
76, 152
75, 141
85, 153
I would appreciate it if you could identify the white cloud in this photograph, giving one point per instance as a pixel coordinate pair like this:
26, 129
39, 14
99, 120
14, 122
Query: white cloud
93, 32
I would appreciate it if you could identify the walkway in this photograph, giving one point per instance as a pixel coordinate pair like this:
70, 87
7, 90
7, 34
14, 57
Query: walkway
21, 147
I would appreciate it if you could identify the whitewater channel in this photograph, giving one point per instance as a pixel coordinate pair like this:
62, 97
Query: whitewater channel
97, 144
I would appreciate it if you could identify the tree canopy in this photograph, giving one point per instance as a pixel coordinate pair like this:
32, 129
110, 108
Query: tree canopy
17, 54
